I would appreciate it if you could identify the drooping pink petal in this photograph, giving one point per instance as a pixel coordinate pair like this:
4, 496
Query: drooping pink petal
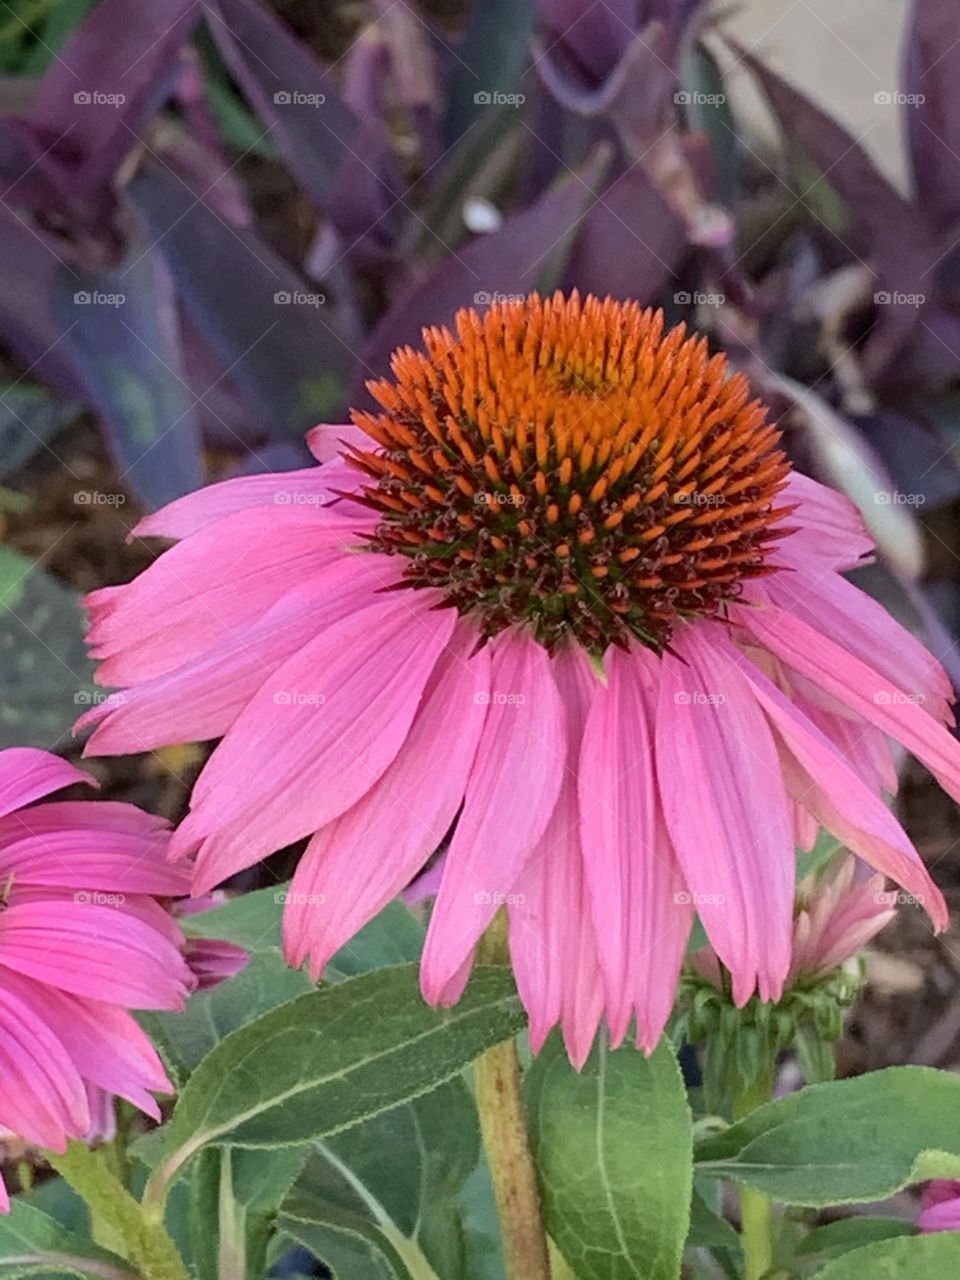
202, 590
821, 779
79, 858
316, 736
854, 620
829, 530
42, 1097
103, 1042
356, 864
726, 809
552, 942
501, 823
858, 686
27, 773
212, 961
641, 910
201, 699
99, 952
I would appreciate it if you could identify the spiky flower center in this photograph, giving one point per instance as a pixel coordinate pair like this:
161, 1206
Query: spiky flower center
568, 466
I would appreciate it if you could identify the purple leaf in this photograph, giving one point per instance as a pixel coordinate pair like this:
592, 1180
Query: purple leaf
111, 76
274, 335
595, 36
292, 92
630, 244
121, 333
889, 230
528, 252
931, 72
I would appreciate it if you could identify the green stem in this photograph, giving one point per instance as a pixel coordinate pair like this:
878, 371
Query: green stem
116, 1216
504, 1129
756, 1209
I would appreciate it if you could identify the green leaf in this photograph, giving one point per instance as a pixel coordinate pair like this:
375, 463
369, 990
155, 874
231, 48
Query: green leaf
34, 1244
707, 1229
613, 1146
330, 1059
846, 1142
42, 658
253, 920
30, 416
926, 1257
393, 1183
851, 1233
184, 1039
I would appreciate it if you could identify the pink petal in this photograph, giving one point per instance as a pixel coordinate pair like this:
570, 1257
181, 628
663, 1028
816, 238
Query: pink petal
97, 951
287, 768
328, 441
552, 942
85, 857
829, 528
726, 809
858, 687
103, 1042
203, 590
42, 1098
362, 860
940, 1217
858, 623
27, 773
641, 911
501, 823
201, 699
819, 777
307, 487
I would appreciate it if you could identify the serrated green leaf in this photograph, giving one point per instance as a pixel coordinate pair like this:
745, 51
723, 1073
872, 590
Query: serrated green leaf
332, 1058
34, 1244
925, 1257
613, 1146
398, 1176
846, 1142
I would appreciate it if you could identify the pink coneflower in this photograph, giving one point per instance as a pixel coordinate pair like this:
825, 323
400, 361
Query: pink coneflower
82, 941
835, 917
940, 1206
562, 600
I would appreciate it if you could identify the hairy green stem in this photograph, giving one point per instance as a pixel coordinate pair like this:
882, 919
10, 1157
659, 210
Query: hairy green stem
756, 1209
504, 1128
115, 1215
